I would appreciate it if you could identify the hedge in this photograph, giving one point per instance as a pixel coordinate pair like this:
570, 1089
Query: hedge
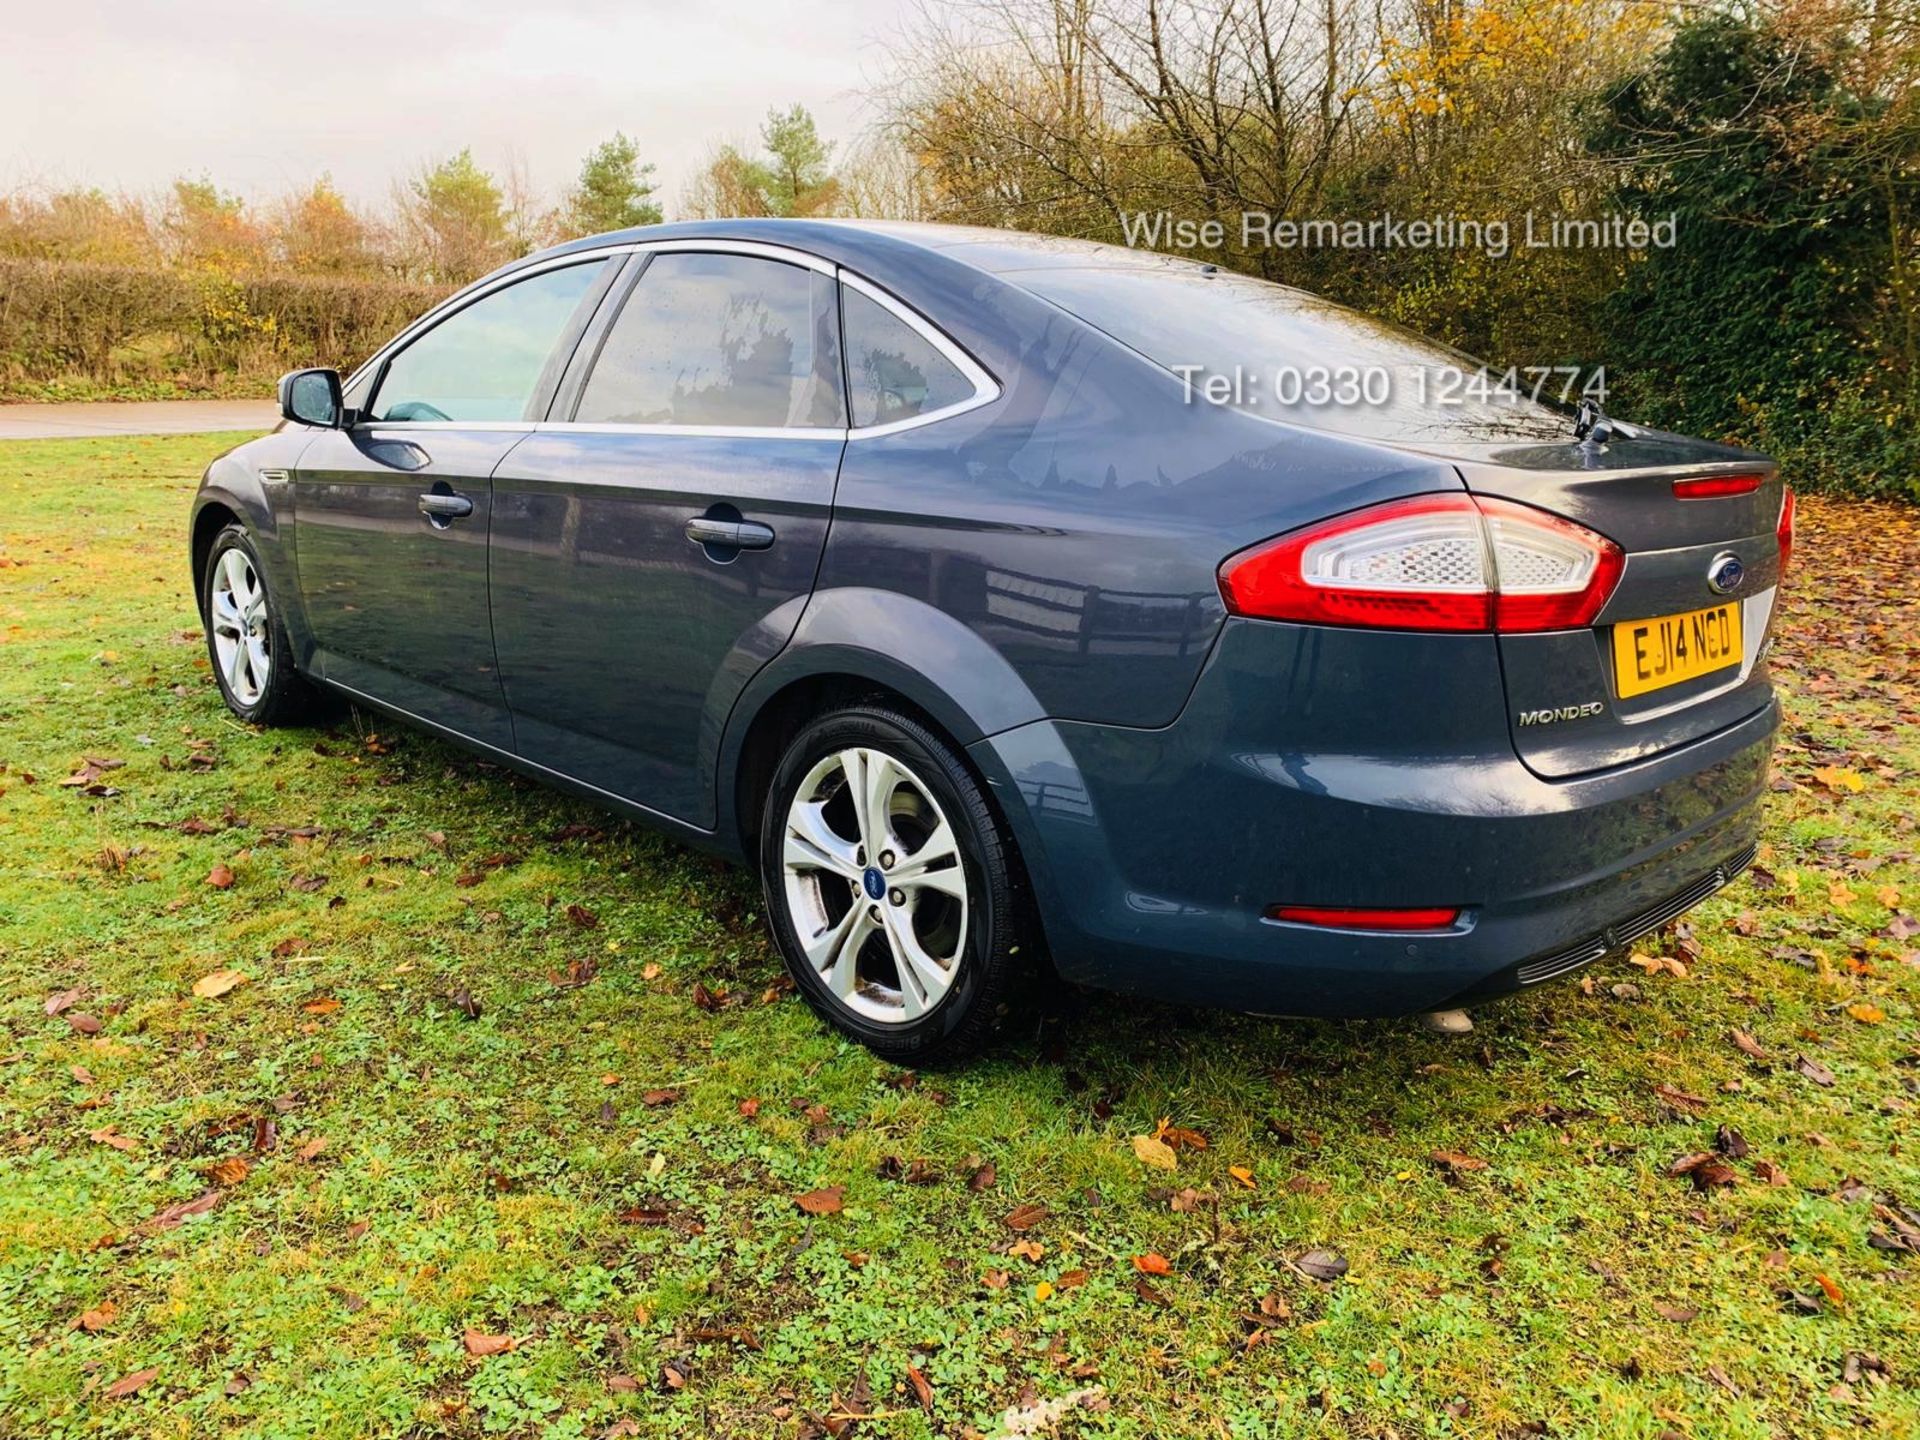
124, 326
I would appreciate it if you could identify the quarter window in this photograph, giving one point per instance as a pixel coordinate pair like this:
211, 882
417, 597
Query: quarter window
484, 361
893, 371
719, 340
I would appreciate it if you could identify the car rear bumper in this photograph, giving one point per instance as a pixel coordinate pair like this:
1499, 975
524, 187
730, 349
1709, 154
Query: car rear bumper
1155, 853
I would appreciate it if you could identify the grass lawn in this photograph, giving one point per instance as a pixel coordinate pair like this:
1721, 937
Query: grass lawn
499, 1073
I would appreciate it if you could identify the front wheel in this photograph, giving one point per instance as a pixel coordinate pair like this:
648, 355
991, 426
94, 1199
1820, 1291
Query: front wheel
890, 885
247, 640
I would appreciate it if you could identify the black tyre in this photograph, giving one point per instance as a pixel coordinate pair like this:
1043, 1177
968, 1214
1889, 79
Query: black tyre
246, 639
890, 884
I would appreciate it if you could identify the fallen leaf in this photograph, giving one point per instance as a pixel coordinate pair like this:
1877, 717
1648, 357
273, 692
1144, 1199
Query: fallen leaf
1152, 1264
211, 987
1242, 1174
311, 1149
111, 1136
750, 1107
1678, 1314
1155, 1152
1043, 1292
1747, 1045
229, 1172
1833, 1290
63, 1001
132, 1384
1673, 1095
325, 1005
1813, 1070
1867, 1014
982, 1178
583, 917
1025, 1217
86, 1024
220, 877
97, 1319
1028, 1250
1322, 1264
822, 1202
659, 1097
176, 1213
921, 1389
1454, 1160
1659, 965
480, 1343
1706, 1170
1838, 778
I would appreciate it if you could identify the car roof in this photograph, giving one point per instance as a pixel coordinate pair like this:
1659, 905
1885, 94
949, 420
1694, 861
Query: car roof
998, 252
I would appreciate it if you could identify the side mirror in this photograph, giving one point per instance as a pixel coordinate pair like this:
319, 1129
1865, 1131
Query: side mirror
311, 397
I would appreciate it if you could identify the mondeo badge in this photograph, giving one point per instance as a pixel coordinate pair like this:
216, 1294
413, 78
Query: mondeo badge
1725, 573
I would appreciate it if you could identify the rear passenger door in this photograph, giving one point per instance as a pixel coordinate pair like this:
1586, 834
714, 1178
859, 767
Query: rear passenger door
655, 541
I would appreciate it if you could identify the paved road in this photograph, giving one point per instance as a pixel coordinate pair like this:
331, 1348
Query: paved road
157, 417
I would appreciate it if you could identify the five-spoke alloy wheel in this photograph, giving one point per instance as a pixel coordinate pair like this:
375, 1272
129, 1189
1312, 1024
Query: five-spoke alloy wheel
247, 640
237, 612
888, 881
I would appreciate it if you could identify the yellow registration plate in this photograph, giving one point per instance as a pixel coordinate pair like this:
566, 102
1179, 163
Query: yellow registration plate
1667, 649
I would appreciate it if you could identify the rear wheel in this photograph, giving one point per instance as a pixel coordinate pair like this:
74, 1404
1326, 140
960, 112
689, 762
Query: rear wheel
888, 880
246, 639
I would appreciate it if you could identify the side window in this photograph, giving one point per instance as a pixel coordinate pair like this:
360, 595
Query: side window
717, 339
893, 371
484, 362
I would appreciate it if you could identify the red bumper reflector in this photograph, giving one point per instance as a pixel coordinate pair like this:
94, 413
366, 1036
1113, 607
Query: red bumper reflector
1715, 487
1342, 917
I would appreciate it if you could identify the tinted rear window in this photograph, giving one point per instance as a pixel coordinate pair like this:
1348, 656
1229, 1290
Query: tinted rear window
1287, 346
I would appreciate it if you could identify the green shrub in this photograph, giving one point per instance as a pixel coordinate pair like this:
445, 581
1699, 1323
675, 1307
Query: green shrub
80, 326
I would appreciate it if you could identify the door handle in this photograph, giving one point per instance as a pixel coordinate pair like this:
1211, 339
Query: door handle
442, 508
729, 534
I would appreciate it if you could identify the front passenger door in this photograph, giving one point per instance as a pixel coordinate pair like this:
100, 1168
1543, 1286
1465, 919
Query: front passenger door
655, 541
391, 515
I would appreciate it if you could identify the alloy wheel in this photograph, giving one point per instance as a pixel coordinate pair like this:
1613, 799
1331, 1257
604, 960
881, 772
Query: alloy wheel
875, 885
237, 611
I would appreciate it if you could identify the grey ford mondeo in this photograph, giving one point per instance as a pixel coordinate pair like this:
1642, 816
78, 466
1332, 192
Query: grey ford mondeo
997, 595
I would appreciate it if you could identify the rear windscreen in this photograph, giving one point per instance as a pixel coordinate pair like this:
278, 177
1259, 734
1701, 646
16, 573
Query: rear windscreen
1291, 356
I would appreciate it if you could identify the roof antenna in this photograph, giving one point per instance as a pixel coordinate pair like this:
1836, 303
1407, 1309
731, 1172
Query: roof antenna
1591, 425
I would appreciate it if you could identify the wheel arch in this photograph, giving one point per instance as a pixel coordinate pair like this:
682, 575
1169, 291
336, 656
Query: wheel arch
211, 517
854, 645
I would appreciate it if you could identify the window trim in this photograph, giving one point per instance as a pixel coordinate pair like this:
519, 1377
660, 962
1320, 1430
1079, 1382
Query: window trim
572, 387
453, 305
986, 389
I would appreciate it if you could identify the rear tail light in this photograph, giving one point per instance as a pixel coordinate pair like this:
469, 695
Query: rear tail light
1716, 487
1435, 562
1345, 917
1785, 528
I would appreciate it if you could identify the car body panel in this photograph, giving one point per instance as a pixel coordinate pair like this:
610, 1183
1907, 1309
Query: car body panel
396, 605
620, 639
1285, 781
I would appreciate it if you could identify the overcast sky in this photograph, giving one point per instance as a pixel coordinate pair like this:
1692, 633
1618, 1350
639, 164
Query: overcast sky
265, 95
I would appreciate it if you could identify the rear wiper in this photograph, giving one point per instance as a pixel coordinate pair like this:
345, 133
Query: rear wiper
1592, 427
